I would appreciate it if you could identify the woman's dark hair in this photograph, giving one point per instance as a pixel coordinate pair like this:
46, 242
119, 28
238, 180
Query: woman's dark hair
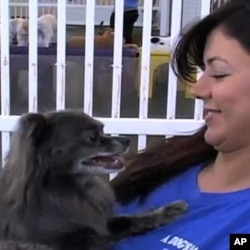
150, 168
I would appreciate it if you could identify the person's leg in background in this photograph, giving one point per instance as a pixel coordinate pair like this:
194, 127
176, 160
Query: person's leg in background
130, 17
112, 20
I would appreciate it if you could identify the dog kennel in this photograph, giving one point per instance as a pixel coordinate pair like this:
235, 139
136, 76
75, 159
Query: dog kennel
32, 69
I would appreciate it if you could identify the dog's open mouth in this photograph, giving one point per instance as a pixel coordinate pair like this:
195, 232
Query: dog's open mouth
108, 162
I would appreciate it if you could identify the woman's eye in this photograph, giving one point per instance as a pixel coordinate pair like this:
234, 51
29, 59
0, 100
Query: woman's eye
219, 76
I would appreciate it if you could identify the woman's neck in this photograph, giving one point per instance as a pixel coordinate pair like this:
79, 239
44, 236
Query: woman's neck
229, 172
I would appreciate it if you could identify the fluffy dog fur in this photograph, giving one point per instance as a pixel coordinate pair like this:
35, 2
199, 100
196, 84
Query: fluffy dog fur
160, 44
13, 245
19, 30
101, 41
53, 191
47, 30
104, 39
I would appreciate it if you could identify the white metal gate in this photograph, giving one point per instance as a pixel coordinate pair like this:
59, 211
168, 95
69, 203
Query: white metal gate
76, 9
115, 124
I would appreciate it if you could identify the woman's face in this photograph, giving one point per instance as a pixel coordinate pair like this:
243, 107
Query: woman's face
225, 89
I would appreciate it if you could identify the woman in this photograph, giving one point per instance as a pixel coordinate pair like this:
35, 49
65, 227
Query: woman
210, 169
130, 17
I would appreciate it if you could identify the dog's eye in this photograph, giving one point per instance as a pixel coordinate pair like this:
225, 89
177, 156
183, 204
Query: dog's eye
93, 138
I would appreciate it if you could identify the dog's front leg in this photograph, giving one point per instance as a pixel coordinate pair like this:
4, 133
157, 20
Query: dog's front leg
124, 226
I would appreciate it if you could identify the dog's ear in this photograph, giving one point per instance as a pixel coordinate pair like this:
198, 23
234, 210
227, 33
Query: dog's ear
31, 127
100, 28
24, 166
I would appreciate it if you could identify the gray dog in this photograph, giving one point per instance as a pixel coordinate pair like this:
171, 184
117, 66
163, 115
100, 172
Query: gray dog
53, 192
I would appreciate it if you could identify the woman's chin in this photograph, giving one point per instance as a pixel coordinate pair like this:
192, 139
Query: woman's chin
213, 138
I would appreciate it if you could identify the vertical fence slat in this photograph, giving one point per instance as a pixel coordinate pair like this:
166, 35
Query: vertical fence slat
164, 8
205, 8
176, 17
117, 63
198, 107
61, 55
145, 67
89, 57
5, 72
33, 15
117, 59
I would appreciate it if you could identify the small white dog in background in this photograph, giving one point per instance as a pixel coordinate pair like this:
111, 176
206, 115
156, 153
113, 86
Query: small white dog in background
19, 30
47, 30
160, 44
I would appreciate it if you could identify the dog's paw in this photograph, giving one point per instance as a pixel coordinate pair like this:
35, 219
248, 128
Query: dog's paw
172, 211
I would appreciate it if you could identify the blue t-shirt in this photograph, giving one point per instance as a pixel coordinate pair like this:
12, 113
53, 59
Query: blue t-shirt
206, 226
131, 3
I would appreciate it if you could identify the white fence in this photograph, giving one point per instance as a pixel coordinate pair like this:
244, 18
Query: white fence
115, 124
76, 9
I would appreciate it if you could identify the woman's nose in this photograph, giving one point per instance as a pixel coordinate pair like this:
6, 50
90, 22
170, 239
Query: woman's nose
202, 88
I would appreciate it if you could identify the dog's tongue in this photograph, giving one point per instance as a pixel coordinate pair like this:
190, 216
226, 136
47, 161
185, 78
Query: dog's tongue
114, 162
